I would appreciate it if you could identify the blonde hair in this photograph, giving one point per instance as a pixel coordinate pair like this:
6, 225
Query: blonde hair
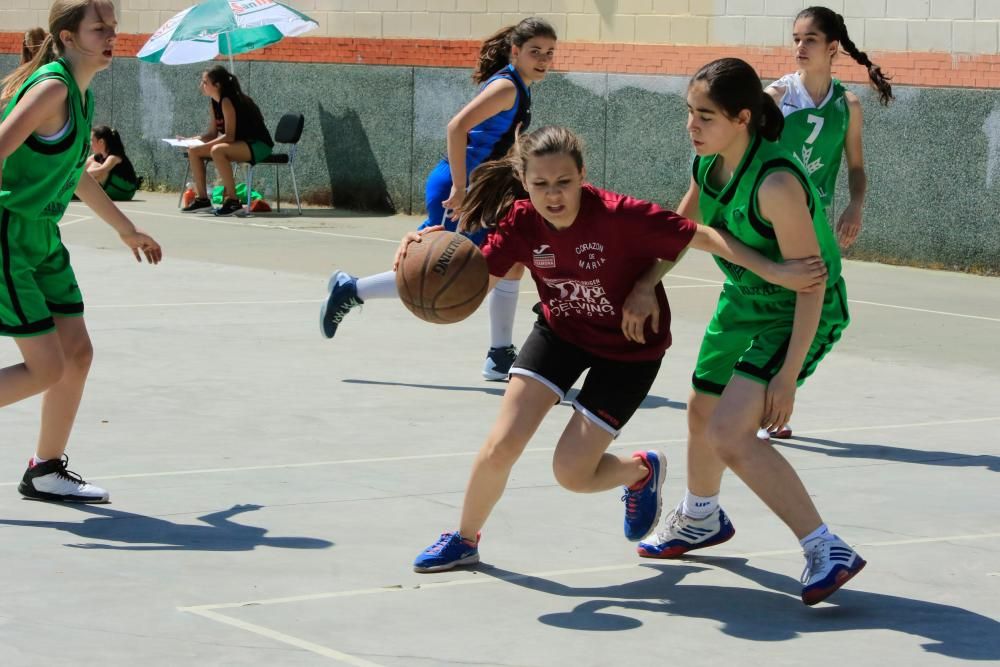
63, 15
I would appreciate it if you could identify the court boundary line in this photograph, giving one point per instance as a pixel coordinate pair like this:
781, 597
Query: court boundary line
469, 578
469, 454
245, 223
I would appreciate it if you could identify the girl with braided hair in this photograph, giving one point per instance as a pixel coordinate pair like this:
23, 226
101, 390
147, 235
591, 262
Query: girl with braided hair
823, 120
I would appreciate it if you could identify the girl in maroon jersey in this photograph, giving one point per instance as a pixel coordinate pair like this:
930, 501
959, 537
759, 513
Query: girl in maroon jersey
585, 248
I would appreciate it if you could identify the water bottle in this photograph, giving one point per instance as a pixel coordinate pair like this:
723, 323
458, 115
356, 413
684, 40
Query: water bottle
189, 194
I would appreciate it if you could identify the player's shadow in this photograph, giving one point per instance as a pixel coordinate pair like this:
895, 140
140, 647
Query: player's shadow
647, 403
772, 615
138, 532
857, 450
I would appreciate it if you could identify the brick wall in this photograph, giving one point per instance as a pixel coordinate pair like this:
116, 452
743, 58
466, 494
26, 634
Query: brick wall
947, 26
919, 42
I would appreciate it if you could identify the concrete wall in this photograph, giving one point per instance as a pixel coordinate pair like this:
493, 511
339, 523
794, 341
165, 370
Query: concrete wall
372, 133
954, 26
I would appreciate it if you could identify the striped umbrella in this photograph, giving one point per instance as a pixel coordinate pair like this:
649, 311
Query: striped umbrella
223, 27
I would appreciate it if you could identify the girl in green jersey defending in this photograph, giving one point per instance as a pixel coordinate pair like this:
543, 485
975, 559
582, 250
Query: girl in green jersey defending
764, 340
823, 120
44, 143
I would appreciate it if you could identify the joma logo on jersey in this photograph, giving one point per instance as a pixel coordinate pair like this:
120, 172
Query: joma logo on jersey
543, 259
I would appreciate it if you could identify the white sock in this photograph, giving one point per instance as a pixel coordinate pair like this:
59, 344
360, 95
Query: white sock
820, 533
379, 286
35, 460
503, 306
699, 507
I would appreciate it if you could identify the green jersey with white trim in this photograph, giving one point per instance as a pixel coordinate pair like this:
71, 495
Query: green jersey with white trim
41, 175
734, 209
815, 133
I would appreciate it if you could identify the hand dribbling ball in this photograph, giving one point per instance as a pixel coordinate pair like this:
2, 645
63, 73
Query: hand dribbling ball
443, 279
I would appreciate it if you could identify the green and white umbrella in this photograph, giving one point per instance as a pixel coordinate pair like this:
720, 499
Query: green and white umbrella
223, 27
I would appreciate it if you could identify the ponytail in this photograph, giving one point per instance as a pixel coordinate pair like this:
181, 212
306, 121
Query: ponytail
832, 24
498, 183
493, 191
12, 82
772, 121
494, 54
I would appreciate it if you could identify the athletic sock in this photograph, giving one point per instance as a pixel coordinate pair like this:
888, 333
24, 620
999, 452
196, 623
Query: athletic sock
821, 533
503, 306
36, 461
699, 507
379, 286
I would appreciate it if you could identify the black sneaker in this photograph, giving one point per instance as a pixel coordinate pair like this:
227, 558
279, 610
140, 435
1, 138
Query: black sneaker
341, 296
498, 363
52, 481
197, 204
229, 207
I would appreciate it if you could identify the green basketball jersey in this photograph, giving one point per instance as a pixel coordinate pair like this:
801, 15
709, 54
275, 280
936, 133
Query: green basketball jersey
815, 133
40, 176
734, 208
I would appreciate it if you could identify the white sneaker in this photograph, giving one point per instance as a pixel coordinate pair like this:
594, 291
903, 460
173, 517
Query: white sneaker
830, 563
52, 481
681, 534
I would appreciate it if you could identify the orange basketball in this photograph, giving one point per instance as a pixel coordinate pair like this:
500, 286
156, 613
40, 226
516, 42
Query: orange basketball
442, 279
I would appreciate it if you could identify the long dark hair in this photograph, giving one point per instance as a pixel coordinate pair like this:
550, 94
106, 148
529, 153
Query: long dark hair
32, 42
494, 54
734, 86
831, 24
112, 140
63, 15
229, 85
496, 184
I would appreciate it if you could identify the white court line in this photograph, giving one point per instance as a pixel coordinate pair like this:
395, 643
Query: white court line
715, 282
203, 303
208, 610
83, 218
244, 222
285, 639
925, 310
530, 450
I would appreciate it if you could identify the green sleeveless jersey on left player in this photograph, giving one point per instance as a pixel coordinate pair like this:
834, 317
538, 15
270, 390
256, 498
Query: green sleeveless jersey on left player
41, 175
815, 133
734, 208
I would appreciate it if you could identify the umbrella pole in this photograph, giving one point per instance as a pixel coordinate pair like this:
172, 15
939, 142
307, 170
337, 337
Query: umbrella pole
229, 48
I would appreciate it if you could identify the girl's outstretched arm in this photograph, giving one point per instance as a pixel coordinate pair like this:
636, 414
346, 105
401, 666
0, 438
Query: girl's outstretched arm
94, 196
641, 303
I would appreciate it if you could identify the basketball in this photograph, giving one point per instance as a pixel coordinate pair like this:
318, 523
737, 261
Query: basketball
442, 279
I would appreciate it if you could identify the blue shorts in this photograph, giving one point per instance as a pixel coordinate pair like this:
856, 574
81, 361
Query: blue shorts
436, 191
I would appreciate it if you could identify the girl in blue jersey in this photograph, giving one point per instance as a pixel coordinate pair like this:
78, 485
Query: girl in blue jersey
509, 63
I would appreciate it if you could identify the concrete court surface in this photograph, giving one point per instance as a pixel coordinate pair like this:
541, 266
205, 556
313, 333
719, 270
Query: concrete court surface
270, 488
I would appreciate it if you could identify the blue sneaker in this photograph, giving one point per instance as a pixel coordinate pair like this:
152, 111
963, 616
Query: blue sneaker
342, 295
450, 550
642, 505
682, 534
830, 564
